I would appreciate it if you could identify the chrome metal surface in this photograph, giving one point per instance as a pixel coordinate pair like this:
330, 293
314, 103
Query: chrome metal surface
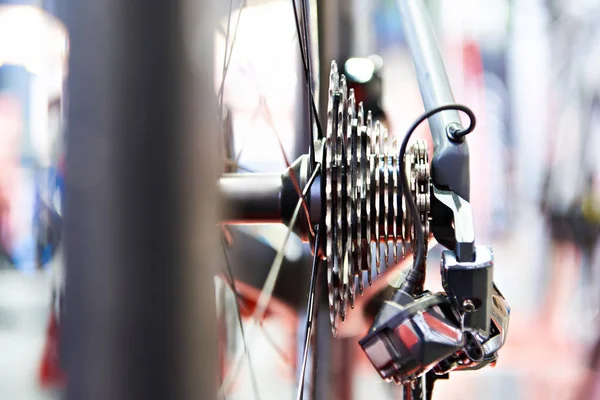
251, 198
363, 205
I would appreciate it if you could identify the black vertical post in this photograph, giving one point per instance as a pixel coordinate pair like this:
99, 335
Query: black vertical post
329, 43
140, 205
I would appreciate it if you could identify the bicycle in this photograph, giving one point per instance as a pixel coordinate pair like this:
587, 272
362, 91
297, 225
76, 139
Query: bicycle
362, 176
110, 250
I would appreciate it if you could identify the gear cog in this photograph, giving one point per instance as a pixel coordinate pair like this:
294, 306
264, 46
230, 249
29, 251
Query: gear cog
365, 210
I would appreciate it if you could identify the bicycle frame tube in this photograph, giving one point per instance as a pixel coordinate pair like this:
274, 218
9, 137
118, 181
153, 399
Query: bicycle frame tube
450, 163
143, 162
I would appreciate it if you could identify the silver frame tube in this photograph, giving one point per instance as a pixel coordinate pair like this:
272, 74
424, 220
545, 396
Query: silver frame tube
450, 163
429, 65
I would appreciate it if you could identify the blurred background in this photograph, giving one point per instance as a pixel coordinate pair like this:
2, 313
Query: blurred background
530, 69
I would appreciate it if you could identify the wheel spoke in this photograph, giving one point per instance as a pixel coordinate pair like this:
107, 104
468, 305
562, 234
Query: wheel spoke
303, 42
265, 295
230, 278
308, 51
286, 358
247, 135
261, 104
293, 176
310, 311
227, 31
239, 318
228, 51
295, 182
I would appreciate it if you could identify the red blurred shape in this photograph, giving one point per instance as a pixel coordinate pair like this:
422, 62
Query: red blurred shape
50, 374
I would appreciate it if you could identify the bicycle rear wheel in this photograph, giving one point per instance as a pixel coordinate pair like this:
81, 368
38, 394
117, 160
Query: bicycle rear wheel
248, 279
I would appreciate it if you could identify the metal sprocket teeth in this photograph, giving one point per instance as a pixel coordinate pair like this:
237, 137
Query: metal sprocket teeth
365, 210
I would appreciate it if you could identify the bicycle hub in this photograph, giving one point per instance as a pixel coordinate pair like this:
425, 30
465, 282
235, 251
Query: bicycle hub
357, 198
